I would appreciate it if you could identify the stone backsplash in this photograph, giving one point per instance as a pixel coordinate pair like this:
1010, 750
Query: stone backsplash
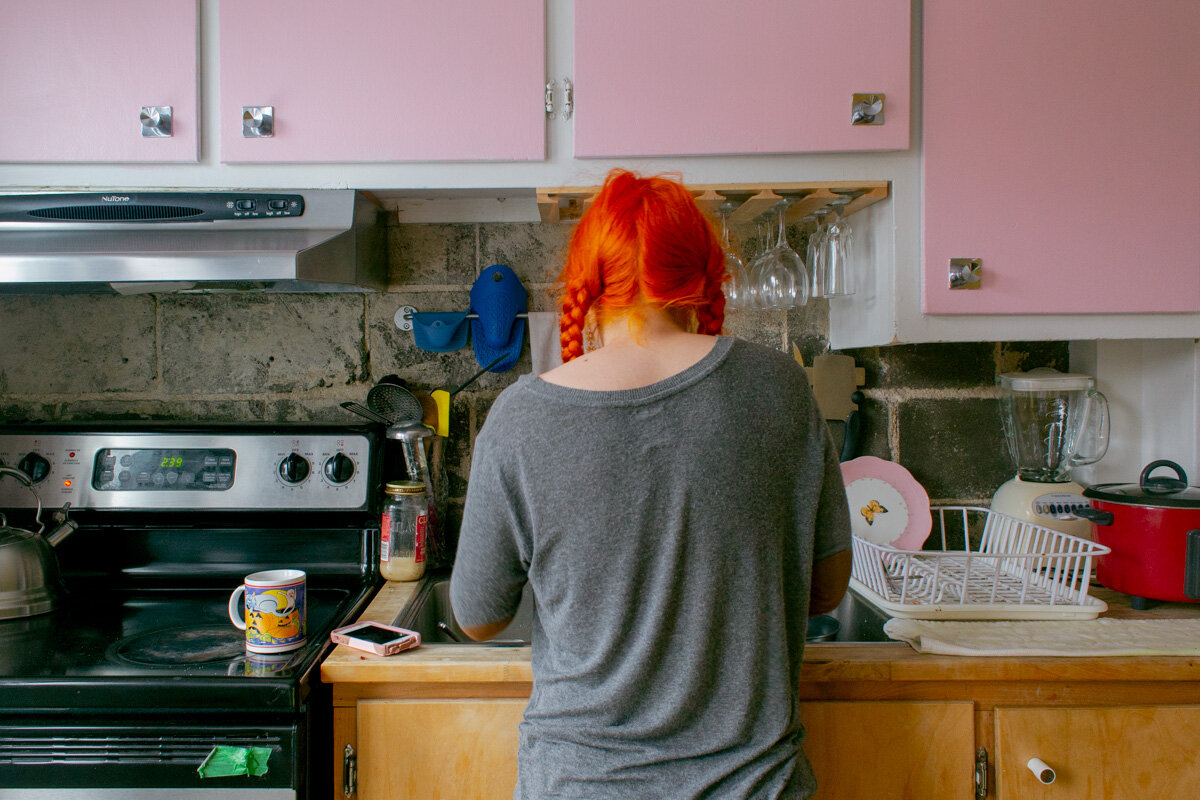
278, 357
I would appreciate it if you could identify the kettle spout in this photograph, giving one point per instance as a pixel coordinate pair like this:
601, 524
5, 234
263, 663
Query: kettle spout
64, 526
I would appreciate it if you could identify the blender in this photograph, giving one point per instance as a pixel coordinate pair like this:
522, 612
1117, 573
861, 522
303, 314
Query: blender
1053, 421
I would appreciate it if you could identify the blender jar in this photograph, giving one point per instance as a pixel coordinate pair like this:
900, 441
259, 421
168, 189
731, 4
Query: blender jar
1053, 421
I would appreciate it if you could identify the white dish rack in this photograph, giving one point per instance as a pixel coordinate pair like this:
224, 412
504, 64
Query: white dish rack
1019, 571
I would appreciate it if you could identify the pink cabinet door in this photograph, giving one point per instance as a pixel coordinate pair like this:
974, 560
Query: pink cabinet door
384, 80
75, 74
700, 77
1060, 148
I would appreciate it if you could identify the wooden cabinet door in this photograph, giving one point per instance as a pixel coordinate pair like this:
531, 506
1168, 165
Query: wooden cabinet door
1059, 147
438, 749
75, 74
1142, 753
699, 77
385, 80
899, 750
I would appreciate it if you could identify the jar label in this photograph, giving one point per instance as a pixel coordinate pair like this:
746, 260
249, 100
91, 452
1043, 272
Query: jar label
385, 538
422, 524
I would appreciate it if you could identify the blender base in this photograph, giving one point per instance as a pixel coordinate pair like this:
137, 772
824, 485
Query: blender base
1046, 504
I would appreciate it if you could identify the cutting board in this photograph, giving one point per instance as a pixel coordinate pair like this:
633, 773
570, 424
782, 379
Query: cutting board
834, 379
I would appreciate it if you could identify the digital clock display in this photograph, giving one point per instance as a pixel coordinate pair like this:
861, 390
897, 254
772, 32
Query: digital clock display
161, 470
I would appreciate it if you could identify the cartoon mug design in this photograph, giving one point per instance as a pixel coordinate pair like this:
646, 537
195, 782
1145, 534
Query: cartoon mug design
274, 606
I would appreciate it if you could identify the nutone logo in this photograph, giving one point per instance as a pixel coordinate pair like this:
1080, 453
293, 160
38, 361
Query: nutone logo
114, 198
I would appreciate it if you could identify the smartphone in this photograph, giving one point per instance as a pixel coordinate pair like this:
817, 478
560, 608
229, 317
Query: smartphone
375, 637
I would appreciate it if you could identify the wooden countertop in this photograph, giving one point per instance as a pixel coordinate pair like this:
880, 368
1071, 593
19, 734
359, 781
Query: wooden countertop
823, 662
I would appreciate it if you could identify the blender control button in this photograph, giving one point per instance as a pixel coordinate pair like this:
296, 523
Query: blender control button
125, 476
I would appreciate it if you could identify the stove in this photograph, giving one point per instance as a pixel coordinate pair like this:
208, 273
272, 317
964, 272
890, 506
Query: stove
133, 680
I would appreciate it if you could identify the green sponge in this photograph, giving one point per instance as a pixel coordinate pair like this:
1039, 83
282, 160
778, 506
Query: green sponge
225, 761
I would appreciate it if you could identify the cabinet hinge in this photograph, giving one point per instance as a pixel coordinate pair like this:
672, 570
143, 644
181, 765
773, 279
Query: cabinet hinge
349, 771
568, 98
981, 773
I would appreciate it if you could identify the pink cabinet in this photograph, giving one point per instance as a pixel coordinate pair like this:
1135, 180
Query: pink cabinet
1061, 149
75, 74
700, 77
384, 80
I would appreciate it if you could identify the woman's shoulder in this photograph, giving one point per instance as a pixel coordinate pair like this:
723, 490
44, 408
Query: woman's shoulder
752, 355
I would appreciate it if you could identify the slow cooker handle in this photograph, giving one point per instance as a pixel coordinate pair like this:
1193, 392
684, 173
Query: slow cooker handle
1094, 515
1191, 569
1163, 485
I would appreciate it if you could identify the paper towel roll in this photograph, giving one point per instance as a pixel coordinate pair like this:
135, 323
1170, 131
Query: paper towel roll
545, 348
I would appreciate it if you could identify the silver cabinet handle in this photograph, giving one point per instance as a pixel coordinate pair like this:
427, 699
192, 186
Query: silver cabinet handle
258, 121
349, 772
156, 121
866, 109
966, 273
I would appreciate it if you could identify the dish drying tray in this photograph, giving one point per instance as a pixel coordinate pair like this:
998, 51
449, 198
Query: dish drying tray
1019, 571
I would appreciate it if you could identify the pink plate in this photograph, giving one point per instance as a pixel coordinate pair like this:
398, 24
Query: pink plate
887, 505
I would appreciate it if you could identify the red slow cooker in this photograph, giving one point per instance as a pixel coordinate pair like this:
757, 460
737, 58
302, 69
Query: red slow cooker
1153, 530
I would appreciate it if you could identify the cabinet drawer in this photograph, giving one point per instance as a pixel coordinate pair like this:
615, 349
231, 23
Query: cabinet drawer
1142, 752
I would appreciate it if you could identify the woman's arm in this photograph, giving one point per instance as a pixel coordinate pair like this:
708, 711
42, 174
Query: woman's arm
830, 577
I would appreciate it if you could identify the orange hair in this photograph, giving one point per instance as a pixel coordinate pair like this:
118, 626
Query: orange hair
643, 243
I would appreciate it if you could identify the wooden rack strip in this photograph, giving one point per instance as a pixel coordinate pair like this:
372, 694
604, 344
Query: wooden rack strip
565, 204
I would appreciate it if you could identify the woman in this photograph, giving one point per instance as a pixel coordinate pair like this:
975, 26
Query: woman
674, 502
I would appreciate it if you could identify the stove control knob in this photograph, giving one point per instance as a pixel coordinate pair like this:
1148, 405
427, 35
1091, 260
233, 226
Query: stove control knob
339, 468
35, 466
294, 468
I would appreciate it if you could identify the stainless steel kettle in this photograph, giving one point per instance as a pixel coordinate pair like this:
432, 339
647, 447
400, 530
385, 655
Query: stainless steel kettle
30, 582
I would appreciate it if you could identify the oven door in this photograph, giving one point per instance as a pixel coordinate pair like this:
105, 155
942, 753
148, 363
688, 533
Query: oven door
73, 762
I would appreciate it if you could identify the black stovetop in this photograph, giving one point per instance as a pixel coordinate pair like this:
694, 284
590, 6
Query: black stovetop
151, 649
145, 627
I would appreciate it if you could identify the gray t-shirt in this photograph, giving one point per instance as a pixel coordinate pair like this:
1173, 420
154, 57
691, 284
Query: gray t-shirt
668, 535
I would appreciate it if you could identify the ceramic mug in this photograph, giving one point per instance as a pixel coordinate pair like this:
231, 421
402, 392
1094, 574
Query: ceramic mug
275, 619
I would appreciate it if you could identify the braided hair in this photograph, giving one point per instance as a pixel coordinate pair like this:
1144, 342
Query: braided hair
643, 243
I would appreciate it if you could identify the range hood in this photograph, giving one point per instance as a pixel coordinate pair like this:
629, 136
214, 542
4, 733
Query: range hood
284, 241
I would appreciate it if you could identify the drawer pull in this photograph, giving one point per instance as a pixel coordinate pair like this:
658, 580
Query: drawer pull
1041, 770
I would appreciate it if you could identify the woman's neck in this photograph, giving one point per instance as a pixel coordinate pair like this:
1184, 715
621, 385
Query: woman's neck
632, 356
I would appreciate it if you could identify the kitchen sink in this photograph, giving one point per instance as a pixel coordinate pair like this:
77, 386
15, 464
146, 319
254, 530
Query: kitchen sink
429, 614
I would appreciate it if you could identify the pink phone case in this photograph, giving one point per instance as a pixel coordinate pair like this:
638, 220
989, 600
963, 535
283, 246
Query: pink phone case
405, 639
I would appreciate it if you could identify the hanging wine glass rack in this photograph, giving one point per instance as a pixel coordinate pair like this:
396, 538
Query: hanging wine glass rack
566, 204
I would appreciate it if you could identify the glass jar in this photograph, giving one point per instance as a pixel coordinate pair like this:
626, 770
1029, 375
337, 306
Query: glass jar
403, 528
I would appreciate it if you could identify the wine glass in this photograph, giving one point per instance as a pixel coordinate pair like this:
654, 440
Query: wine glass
839, 252
775, 282
737, 285
755, 296
793, 292
816, 253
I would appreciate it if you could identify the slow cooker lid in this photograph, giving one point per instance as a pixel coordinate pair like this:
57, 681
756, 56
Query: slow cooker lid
1150, 490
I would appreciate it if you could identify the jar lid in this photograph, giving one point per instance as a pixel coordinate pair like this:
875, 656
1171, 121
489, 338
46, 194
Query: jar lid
405, 487
1045, 379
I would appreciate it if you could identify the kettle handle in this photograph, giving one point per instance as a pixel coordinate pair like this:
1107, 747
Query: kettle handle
1163, 485
27, 482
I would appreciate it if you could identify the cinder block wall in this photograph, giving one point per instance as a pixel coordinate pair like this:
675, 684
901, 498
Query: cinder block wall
285, 357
